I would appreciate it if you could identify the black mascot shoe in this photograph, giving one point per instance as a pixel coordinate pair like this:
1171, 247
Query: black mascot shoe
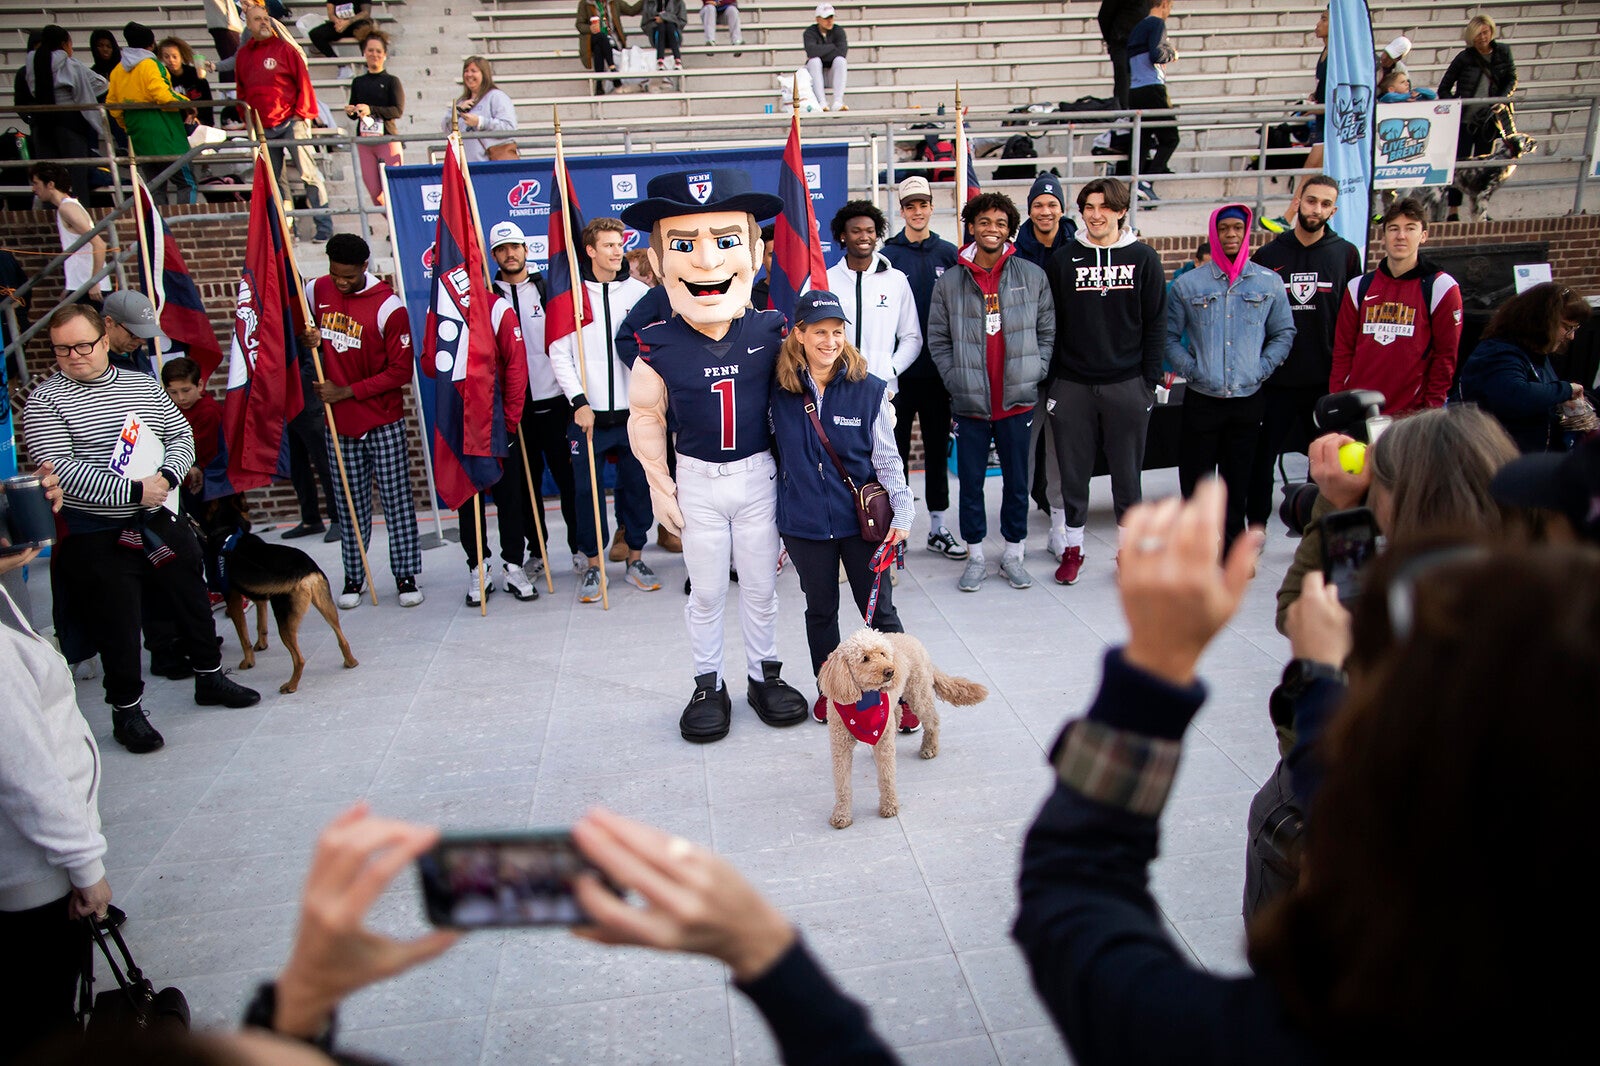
776, 702
709, 712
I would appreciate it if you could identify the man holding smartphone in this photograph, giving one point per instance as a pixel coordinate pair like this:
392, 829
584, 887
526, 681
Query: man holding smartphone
121, 447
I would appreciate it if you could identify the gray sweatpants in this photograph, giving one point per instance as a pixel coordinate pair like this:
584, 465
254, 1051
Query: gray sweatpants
1084, 417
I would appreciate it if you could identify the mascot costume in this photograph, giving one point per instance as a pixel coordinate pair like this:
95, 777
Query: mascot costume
706, 373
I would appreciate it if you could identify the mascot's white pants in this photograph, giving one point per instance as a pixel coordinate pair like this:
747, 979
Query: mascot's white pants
730, 514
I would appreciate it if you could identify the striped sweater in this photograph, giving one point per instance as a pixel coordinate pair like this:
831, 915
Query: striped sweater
78, 427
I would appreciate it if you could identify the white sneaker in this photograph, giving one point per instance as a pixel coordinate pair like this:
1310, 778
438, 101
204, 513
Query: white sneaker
87, 670
518, 583
473, 599
346, 72
410, 595
580, 563
350, 598
1058, 543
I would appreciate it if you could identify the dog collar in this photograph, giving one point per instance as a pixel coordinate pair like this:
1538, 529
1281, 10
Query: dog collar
867, 719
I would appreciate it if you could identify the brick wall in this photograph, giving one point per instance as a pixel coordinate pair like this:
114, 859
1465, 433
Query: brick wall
215, 252
214, 249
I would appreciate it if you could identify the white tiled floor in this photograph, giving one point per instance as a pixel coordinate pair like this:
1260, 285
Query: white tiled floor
530, 715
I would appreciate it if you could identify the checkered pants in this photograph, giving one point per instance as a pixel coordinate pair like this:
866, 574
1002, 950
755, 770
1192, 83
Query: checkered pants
380, 454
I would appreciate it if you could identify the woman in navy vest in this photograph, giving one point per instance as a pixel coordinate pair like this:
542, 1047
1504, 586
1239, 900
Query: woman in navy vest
816, 513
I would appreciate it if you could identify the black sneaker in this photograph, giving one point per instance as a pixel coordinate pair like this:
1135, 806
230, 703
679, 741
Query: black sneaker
218, 689
304, 529
709, 712
171, 664
944, 543
133, 730
332, 535
775, 701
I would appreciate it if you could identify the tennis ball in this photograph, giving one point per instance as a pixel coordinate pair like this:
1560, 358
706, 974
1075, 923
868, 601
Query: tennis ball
1353, 457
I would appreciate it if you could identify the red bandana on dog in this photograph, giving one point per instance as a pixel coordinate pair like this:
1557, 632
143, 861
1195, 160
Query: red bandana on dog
865, 720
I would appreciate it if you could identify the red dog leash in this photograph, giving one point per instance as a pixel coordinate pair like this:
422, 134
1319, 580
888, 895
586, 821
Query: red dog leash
886, 556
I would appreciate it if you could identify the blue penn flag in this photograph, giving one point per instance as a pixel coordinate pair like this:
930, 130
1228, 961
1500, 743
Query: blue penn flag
797, 263
1347, 124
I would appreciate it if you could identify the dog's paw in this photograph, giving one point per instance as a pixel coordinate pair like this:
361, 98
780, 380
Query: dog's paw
841, 818
888, 810
930, 749
287, 687
261, 644
247, 663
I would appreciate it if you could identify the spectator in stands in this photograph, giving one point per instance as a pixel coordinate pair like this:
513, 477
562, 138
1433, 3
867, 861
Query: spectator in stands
1483, 68
877, 300
176, 55
727, 11
481, 106
365, 337
1395, 88
1117, 19
761, 289
273, 79
1318, 126
141, 79
991, 329
1509, 373
180, 377
121, 539
1399, 325
107, 53
347, 20
1316, 266
52, 868
639, 267
663, 22
1391, 56
1240, 329
377, 100
601, 33
222, 22
922, 255
826, 49
1110, 300
53, 76
1149, 52
52, 186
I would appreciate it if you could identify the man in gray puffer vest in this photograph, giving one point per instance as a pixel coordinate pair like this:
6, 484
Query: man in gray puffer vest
991, 329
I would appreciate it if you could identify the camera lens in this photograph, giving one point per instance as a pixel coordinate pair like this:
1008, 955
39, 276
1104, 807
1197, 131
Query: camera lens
1295, 511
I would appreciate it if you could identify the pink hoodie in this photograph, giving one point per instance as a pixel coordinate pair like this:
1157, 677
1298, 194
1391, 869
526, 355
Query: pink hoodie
1231, 269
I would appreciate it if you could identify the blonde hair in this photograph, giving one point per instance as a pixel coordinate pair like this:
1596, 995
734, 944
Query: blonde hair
1476, 23
792, 359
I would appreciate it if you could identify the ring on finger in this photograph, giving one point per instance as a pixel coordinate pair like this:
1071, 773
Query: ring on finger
1150, 544
678, 848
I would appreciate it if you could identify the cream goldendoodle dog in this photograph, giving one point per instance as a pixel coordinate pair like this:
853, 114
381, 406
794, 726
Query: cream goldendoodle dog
897, 666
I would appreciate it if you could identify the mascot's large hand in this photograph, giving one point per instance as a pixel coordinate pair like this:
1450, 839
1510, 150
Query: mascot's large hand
647, 437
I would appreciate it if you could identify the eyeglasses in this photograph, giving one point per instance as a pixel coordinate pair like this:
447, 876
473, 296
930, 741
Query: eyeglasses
61, 351
1569, 330
1402, 596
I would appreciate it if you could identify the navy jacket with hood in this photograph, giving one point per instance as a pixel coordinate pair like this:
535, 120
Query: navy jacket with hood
921, 263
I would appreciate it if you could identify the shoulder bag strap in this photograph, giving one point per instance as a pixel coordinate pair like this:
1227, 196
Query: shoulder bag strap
816, 424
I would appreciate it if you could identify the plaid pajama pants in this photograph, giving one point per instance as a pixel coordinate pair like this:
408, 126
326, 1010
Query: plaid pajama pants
380, 454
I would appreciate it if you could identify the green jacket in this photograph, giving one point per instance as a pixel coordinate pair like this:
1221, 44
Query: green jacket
141, 79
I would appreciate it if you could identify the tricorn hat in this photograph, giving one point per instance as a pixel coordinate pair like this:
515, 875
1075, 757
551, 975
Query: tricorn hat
695, 192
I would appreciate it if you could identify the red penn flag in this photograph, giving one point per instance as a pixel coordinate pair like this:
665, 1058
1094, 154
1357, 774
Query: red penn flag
459, 342
566, 224
796, 246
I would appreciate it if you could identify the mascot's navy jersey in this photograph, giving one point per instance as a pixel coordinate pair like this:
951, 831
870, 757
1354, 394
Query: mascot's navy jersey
717, 391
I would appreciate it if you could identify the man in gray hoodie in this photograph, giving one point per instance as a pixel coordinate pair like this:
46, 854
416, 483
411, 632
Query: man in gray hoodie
1110, 297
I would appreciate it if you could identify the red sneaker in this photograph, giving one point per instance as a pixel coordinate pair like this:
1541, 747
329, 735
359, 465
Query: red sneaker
1071, 563
909, 723
218, 601
819, 710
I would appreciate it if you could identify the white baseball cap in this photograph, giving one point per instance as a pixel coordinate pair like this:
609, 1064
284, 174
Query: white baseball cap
506, 233
824, 11
1399, 47
913, 187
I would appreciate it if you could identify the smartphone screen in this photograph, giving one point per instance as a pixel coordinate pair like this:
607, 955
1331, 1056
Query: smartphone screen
487, 880
1349, 541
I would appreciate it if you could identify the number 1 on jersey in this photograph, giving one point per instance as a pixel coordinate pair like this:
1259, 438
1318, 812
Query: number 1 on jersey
724, 390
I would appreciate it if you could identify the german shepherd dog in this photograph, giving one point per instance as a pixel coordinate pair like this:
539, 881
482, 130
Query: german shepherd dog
253, 569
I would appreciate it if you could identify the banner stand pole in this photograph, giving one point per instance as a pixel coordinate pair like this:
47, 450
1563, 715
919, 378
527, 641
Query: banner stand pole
436, 538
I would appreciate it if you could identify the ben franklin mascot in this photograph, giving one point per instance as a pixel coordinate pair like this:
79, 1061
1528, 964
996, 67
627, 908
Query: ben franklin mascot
705, 374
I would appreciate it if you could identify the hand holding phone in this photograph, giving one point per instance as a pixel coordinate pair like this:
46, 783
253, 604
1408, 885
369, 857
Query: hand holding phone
1349, 542
489, 880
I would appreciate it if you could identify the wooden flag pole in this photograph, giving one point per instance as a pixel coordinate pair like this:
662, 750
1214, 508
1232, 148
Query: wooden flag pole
144, 249
522, 446
483, 564
316, 362
961, 164
595, 491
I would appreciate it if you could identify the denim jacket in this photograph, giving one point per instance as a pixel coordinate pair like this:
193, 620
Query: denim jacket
1239, 333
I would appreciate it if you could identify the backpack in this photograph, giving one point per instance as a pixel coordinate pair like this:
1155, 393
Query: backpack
1017, 146
936, 148
14, 147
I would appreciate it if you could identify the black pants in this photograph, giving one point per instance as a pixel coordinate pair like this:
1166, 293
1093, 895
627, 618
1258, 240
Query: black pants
928, 401
323, 36
99, 571
1156, 143
668, 36
604, 58
1085, 418
1285, 422
309, 462
1120, 75
817, 564
38, 988
544, 432
1219, 436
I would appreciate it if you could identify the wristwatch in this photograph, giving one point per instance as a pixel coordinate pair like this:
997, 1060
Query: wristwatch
262, 1013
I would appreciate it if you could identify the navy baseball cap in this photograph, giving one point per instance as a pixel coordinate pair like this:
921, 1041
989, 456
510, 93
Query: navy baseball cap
695, 191
1568, 482
817, 305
